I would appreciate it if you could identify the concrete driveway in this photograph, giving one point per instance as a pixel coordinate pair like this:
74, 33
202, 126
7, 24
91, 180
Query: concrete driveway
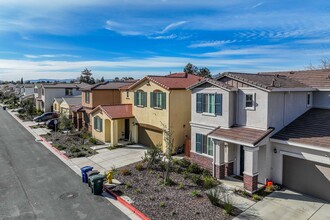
287, 205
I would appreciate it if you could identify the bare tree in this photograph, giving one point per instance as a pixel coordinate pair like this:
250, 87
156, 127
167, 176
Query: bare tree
325, 64
168, 138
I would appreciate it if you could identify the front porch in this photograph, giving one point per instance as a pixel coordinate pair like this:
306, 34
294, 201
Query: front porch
243, 153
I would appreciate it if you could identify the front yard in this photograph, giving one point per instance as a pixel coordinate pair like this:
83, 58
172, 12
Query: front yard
185, 197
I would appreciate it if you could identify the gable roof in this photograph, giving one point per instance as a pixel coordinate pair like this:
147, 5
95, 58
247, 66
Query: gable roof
171, 81
72, 100
76, 108
213, 82
265, 81
109, 85
65, 85
311, 128
318, 79
116, 111
59, 100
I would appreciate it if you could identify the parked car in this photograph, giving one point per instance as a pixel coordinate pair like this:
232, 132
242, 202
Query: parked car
45, 117
51, 123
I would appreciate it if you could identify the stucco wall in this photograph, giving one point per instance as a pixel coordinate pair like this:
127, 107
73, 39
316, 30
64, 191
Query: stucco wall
97, 134
256, 118
277, 159
65, 109
284, 107
101, 97
211, 120
321, 99
51, 93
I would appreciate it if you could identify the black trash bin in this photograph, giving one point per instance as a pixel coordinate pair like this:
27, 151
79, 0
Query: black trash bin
90, 174
97, 184
4, 108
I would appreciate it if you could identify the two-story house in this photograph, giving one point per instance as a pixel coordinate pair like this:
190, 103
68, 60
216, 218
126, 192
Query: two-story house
237, 122
48, 92
27, 92
64, 105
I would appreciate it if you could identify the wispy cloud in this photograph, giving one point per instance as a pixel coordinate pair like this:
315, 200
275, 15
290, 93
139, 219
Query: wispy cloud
49, 56
163, 37
257, 5
172, 26
211, 43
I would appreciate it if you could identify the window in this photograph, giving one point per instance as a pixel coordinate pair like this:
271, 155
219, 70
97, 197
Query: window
42, 91
127, 94
249, 101
204, 145
140, 98
158, 99
209, 103
87, 95
68, 92
309, 99
98, 124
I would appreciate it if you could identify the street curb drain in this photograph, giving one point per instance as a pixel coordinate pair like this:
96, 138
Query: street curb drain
69, 195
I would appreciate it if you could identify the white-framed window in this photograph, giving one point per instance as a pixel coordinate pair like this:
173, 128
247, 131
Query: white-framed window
249, 101
309, 99
87, 96
98, 124
204, 144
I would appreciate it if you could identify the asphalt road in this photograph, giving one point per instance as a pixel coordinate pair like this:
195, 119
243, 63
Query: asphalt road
35, 184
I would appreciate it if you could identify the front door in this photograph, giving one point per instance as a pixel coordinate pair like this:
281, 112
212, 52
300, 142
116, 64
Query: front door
241, 161
126, 129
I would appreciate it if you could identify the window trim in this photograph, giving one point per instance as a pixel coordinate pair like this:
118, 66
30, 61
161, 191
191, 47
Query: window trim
137, 99
87, 100
309, 94
253, 101
97, 123
209, 106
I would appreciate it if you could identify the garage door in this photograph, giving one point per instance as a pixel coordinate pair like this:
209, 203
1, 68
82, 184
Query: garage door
307, 177
150, 137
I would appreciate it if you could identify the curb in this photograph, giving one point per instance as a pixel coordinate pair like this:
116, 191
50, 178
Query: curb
54, 148
127, 205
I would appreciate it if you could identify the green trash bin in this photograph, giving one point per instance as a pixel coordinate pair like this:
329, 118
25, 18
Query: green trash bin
97, 184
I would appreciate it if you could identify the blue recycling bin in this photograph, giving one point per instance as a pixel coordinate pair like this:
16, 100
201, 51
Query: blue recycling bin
84, 171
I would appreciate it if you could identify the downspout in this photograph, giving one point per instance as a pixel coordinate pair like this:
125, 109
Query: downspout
237, 108
284, 107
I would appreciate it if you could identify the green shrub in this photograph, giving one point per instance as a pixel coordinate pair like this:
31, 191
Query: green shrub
181, 186
138, 191
194, 168
245, 193
128, 185
197, 180
206, 173
162, 204
81, 154
271, 188
228, 207
185, 175
256, 197
125, 172
209, 182
195, 193
139, 166
93, 140
214, 196
184, 163
74, 150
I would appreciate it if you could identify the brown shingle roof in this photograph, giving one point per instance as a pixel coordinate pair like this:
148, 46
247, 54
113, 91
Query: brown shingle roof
212, 81
172, 81
109, 85
240, 135
65, 85
116, 111
319, 79
312, 128
76, 108
265, 81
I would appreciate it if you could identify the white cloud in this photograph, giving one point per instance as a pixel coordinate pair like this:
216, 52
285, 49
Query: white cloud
210, 43
49, 56
172, 26
257, 5
164, 37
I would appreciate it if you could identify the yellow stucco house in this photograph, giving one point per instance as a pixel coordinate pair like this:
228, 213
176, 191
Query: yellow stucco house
63, 105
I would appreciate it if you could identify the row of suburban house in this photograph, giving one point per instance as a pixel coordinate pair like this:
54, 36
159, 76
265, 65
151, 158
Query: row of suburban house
257, 127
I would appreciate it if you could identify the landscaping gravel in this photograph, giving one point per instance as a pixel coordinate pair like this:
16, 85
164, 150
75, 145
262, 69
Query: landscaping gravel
158, 201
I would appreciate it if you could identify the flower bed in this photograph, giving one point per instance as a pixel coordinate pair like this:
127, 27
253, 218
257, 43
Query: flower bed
184, 198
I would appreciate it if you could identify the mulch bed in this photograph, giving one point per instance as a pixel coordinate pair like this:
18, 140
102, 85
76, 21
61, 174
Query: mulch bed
158, 201
73, 144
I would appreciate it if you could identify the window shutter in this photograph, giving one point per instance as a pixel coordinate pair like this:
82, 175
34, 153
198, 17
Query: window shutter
199, 143
101, 124
151, 99
95, 123
135, 98
199, 103
163, 100
144, 99
218, 104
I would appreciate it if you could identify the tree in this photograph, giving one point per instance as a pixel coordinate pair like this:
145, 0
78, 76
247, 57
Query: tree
102, 79
204, 72
168, 139
86, 76
65, 122
29, 108
22, 81
325, 65
190, 69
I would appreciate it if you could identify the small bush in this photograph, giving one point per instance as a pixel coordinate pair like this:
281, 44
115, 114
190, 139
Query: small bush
209, 182
139, 166
195, 193
169, 182
271, 188
138, 191
151, 198
245, 193
162, 204
128, 185
256, 197
228, 207
181, 186
184, 163
194, 168
125, 172
197, 180
176, 161
214, 196
81, 154
185, 175
74, 150
206, 173
93, 140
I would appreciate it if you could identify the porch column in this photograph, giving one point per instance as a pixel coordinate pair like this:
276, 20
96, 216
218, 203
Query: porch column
228, 160
251, 170
219, 165
114, 132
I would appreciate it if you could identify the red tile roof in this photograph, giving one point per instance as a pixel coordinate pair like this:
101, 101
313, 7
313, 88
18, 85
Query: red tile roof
312, 128
116, 111
172, 81
241, 135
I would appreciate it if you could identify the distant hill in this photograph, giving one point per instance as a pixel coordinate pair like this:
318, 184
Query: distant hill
50, 80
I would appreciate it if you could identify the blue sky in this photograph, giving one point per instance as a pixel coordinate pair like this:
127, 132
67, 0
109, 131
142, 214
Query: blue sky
58, 39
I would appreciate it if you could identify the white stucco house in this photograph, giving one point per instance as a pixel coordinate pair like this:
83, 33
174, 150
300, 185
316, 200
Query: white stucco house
273, 126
